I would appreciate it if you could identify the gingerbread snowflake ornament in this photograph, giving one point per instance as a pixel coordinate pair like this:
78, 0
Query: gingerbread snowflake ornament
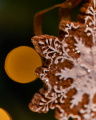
69, 68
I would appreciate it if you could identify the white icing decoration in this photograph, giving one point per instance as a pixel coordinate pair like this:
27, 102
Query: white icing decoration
84, 75
70, 27
90, 21
83, 72
52, 49
64, 116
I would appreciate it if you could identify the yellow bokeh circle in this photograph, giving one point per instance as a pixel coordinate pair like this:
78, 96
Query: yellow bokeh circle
21, 63
4, 115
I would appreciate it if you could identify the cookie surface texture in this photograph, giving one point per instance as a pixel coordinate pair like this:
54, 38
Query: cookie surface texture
69, 69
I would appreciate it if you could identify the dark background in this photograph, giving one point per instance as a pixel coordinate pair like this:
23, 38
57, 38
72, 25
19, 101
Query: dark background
16, 28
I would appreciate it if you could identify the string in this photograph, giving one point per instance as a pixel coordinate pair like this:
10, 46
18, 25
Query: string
37, 23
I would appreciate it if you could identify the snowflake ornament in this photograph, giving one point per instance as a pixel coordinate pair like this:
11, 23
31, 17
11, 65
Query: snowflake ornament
69, 69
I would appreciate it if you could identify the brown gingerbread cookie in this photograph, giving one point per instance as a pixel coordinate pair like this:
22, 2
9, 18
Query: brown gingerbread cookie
69, 69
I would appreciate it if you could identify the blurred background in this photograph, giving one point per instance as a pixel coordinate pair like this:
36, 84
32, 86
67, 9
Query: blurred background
16, 29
